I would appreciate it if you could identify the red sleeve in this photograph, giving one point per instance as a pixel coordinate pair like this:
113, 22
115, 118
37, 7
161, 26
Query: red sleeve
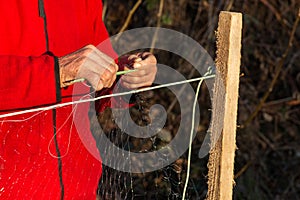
28, 81
101, 36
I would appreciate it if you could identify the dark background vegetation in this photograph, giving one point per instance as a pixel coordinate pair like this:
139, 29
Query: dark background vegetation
267, 164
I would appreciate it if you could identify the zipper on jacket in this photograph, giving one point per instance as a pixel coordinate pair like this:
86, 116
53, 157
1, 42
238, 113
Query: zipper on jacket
42, 14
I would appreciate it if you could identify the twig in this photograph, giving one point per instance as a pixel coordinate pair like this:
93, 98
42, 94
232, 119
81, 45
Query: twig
158, 24
104, 9
279, 101
275, 12
244, 168
131, 12
229, 6
277, 73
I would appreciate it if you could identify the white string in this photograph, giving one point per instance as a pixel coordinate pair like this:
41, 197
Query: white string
104, 96
22, 120
70, 133
69, 138
191, 140
209, 71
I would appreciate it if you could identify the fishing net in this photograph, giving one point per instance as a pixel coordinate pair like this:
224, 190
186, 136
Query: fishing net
167, 181
144, 148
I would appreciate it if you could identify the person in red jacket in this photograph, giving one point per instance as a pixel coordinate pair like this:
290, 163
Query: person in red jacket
45, 45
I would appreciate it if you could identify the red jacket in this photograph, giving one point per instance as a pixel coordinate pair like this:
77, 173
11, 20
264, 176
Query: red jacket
32, 34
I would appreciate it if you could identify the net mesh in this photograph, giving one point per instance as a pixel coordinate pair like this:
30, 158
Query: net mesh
167, 182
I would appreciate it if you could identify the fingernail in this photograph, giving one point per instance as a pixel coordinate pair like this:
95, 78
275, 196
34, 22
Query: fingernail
132, 57
137, 65
138, 59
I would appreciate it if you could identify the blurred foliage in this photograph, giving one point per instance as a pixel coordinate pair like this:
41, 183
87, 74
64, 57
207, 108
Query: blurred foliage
268, 154
151, 4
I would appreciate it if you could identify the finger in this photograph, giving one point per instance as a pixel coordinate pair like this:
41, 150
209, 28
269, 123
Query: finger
137, 65
133, 57
143, 70
112, 79
150, 60
106, 83
112, 67
130, 85
144, 55
144, 80
100, 54
138, 59
88, 68
134, 85
104, 59
95, 81
108, 78
100, 66
98, 76
138, 81
133, 80
126, 67
137, 73
103, 62
99, 86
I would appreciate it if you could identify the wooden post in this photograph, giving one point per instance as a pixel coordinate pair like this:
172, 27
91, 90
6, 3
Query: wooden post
224, 113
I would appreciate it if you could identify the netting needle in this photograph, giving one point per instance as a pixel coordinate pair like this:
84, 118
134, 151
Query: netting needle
118, 74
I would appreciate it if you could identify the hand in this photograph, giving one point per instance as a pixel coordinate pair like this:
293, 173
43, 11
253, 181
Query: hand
88, 63
145, 63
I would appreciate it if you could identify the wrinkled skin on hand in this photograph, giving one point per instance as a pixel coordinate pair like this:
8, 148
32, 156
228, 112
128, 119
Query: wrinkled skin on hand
100, 70
145, 64
88, 63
